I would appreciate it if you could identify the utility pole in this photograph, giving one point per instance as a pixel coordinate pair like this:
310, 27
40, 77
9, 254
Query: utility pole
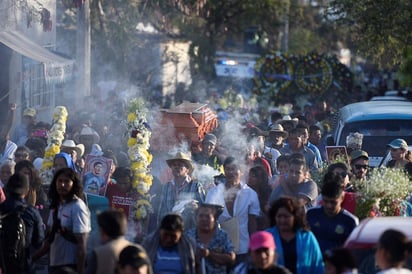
285, 36
83, 43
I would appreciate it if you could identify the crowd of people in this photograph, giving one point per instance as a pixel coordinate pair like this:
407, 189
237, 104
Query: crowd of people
262, 211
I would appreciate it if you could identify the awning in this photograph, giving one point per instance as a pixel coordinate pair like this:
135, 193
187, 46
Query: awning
56, 68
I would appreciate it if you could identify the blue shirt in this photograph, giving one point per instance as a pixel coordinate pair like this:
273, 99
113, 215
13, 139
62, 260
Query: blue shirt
309, 257
93, 183
315, 150
167, 261
333, 231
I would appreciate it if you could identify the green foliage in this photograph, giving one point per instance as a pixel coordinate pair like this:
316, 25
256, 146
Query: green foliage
205, 23
380, 28
113, 26
303, 41
405, 74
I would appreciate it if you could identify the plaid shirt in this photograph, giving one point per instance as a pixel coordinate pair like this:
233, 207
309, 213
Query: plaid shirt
220, 243
171, 194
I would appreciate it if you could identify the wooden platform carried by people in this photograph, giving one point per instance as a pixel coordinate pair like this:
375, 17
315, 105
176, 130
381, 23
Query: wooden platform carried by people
186, 122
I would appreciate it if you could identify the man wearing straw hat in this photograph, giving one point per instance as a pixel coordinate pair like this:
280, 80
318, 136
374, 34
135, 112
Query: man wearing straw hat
182, 194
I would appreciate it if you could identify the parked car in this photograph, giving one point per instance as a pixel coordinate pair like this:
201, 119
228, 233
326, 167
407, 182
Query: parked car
399, 93
379, 121
363, 239
388, 98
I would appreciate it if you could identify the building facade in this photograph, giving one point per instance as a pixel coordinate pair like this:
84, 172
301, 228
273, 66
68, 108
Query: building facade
31, 73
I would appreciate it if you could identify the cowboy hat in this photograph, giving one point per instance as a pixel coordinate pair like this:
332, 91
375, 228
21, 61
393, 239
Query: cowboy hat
277, 128
71, 145
287, 118
180, 156
87, 131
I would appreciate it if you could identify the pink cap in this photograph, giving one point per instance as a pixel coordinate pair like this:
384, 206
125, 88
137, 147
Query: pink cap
261, 239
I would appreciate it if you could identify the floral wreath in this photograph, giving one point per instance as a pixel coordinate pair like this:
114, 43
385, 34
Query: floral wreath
54, 141
138, 143
342, 76
313, 74
273, 73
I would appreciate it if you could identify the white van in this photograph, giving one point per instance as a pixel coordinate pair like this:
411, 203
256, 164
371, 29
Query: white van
379, 121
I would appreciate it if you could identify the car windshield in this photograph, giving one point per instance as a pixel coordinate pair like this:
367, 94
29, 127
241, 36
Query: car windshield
377, 134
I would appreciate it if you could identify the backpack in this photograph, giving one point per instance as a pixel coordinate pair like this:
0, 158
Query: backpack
13, 241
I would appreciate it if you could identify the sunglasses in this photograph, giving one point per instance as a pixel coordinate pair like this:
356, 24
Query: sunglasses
21, 155
343, 174
361, 166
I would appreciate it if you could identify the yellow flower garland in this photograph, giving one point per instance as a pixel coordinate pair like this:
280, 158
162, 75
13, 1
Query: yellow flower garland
54, 141
138, 144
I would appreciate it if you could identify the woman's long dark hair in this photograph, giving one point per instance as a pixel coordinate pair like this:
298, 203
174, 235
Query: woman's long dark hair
35, 180
77, 189
291, 205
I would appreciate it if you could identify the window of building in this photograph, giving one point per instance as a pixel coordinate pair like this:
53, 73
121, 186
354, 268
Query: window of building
37, 91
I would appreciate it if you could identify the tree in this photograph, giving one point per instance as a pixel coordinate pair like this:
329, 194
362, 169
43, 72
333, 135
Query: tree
380, 28
207, 24
203, 22
406, 68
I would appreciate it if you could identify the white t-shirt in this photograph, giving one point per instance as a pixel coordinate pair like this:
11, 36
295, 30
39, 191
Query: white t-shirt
76, 217
246, 203
8, 152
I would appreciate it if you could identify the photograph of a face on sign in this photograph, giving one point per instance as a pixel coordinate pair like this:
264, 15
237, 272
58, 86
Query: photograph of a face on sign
337, 154
96, 174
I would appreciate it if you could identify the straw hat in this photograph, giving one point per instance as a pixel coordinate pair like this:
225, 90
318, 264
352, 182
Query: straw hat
180, 156
277, 128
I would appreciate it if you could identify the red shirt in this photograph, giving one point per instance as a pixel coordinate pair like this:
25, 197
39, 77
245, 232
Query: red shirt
349, 202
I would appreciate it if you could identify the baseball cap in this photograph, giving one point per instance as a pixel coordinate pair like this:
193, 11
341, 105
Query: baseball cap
398, 143
211, 138
29, 112
358, 154
261, 239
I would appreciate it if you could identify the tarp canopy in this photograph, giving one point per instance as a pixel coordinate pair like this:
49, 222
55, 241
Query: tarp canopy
56, 68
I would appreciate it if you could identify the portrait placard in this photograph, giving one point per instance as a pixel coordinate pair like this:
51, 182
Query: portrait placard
96, 174
336, 154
